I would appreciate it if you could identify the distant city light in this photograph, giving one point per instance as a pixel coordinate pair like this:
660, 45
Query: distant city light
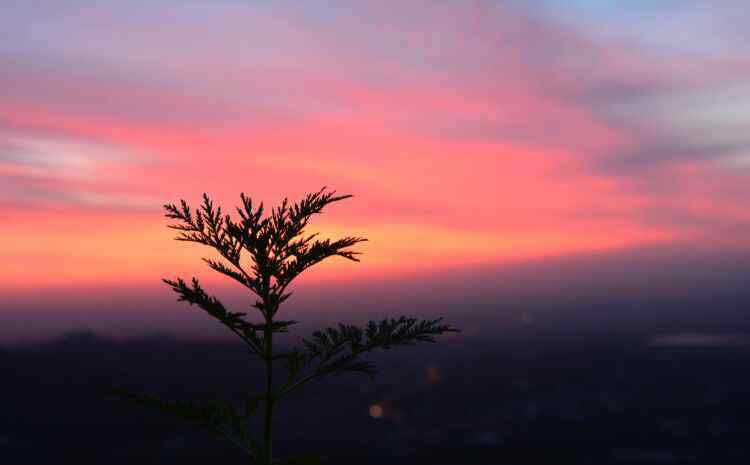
433, 374
376, 411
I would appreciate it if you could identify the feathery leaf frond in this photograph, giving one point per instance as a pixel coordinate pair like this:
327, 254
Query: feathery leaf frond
217, 416
195, 295
337, 350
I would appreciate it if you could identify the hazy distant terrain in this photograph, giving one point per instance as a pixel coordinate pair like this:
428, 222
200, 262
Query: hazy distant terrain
551, 401
632, 358
645, 292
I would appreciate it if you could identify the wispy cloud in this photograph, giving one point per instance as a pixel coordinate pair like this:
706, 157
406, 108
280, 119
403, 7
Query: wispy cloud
469, 132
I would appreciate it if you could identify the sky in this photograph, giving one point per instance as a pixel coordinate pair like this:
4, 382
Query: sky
472, 134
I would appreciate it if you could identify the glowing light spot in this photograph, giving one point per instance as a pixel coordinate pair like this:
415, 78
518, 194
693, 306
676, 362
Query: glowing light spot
433, 374
376, 411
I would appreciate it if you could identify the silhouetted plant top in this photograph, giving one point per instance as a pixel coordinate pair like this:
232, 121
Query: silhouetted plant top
277, 246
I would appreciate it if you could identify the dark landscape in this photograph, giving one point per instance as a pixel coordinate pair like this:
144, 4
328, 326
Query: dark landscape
559, 363
618, 401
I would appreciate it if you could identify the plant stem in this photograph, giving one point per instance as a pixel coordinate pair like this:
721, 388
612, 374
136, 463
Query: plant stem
267, 430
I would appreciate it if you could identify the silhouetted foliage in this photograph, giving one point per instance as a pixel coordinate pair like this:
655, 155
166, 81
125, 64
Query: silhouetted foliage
265, 253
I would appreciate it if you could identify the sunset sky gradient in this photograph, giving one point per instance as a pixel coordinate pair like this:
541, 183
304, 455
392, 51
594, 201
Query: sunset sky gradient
471, 133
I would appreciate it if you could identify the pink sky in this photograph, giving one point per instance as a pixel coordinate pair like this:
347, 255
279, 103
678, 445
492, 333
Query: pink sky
469, 135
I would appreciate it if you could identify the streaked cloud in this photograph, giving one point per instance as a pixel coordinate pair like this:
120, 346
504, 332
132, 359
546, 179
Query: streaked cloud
470, 133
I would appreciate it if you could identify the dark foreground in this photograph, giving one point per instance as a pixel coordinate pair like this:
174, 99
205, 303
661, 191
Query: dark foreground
570, 401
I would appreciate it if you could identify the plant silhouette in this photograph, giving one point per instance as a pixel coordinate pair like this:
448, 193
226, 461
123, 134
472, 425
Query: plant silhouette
265, 253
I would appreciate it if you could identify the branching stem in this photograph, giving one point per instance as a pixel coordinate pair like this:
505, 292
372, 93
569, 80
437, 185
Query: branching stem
267, 423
